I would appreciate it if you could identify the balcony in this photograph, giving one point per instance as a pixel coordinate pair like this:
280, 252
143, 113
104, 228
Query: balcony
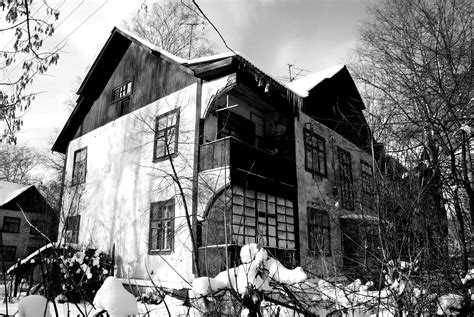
246, 159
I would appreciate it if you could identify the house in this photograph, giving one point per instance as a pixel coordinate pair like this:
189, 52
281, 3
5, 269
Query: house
20, 206
175, 164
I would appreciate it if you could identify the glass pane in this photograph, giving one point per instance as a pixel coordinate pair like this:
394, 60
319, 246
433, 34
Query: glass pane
250, 212
271, 208
249, 202
289, 203
289, 220
239, 200
237, 219
261, 205
238, 191
271, 221
250, 231
272, 231
281, 209
236, 229
289, 211
271, 198
280, 201
272, 242
250, 193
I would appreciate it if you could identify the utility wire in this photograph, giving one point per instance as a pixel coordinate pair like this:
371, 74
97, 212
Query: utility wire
215, 28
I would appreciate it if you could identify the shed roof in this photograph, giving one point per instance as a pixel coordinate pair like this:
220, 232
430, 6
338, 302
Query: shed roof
9, 191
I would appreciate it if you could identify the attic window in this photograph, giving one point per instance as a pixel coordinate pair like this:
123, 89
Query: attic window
122, 91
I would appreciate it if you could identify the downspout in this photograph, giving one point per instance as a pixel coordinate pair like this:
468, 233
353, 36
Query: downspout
195, 256
61, 195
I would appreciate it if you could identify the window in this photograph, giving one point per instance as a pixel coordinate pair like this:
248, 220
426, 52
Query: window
263, 218
122, 91
345, 179
71, 229
161, 226
79, 169
319, 240
315, 153
166, 135
8, 253
11, 224
231, 124
121, 97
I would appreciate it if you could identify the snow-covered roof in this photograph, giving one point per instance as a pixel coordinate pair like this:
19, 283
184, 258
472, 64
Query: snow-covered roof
304, 85
33, 255
9, 191
150, 45
209, 58
172, 56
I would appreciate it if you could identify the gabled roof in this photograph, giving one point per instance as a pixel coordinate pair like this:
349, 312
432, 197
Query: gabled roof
304, 85
9, 191
103, 67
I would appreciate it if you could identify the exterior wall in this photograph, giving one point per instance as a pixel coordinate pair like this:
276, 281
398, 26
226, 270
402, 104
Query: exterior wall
122, 181
317, 192
24, 240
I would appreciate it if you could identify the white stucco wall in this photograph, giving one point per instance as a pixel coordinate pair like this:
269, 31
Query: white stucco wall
122, 181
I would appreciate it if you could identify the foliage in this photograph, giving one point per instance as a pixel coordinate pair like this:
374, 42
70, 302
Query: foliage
173, 26
23, 58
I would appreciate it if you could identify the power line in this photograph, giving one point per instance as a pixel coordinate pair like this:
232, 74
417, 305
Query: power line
215, 28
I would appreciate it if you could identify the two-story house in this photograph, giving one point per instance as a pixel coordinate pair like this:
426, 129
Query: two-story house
22, 208
178, 163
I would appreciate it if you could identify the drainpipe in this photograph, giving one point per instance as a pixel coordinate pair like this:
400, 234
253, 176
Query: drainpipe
196, 175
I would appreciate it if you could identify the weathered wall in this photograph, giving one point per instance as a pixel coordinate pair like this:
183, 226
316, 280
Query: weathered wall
122, 181
316, 191
153, 78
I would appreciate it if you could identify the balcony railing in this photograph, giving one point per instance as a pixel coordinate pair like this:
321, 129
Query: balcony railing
243, 157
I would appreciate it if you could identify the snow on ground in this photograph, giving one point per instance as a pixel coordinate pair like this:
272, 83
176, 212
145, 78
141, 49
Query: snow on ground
174, 305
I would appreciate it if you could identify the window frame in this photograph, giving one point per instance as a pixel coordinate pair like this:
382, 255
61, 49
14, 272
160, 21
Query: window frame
318, 149
12, 251
74, 237
16, 226
248, 214
76, 180
127, 93
319, 229
164, 131
169, 236
346, 183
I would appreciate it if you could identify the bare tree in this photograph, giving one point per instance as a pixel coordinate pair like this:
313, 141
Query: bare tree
414, 60
173, 26
23, 58
17, 164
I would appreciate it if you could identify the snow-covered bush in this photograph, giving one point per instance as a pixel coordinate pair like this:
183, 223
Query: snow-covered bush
84, 272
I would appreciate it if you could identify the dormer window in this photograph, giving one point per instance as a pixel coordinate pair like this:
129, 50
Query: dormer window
122, 91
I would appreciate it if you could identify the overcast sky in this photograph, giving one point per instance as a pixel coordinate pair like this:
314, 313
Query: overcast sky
311, 34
